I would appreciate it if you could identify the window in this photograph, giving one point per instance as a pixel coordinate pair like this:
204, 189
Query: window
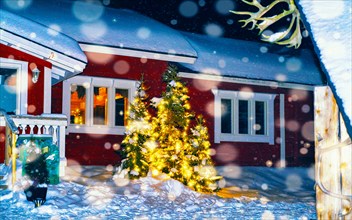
78, 104
13, 86
8, 90
121, 106
100, 106
244, 116
97, 105
260, 125
226, 116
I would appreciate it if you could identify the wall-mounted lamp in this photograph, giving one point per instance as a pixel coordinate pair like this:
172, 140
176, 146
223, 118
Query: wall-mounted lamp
35, 75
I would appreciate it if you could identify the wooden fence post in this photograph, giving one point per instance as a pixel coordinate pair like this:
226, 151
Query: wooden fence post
333, 159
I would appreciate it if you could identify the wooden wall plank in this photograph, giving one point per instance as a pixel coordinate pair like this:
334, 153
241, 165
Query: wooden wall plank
346, 170
335, 165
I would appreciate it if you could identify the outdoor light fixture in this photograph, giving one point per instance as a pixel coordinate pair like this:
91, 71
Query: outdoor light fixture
35, 75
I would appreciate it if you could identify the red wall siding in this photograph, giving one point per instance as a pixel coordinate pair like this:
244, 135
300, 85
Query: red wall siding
56, 98
299, 116
92, 149
35, 91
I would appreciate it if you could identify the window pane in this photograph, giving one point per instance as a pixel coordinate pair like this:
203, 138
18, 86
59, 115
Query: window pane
100, 106
243, 116
78, 104
259, 117
8, 90
226, 116
121, 105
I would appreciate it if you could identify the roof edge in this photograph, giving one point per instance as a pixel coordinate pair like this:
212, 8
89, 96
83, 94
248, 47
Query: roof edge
256, 82
179, 58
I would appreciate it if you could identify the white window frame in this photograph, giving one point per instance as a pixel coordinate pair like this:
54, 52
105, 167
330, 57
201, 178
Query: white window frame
21, 82
252, 97
90, 83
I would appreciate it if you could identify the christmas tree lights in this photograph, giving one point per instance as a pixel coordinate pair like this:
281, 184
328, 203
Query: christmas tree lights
137, 134
170, 126
174, 142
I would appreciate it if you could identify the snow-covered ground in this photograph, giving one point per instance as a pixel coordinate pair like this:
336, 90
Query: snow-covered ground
92, 193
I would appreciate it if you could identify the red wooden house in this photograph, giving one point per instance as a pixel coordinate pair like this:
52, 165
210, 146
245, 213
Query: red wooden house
257, 98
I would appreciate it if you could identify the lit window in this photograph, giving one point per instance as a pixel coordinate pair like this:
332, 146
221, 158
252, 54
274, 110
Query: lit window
78, 104
100, 106
244, 116
97, 105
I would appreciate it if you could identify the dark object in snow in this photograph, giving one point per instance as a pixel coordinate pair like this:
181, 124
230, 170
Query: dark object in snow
36, 194
36, 169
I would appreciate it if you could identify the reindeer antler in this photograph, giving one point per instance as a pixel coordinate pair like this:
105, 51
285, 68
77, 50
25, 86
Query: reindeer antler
261, 22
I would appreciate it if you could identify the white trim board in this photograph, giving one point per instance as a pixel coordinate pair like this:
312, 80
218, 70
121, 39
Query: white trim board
96, 129
47, 90
273, 84
137, 53
282, 132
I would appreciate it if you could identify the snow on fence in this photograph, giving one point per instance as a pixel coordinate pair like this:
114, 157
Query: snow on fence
50, 124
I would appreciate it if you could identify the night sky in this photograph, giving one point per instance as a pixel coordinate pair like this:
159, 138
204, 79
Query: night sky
211, 17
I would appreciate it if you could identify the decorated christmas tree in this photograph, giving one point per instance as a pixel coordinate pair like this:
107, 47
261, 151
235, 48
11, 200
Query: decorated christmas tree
173, 143
137, 133
199, 158
170, 127
181, 153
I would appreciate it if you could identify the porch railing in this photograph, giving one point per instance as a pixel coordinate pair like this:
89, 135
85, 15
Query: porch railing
51, 124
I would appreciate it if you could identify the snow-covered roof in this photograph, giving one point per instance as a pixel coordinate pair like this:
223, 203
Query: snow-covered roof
40, 34
36, 39
252, 60
330, 24
90, 22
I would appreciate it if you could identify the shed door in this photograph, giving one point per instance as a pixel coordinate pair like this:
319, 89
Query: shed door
8, 97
